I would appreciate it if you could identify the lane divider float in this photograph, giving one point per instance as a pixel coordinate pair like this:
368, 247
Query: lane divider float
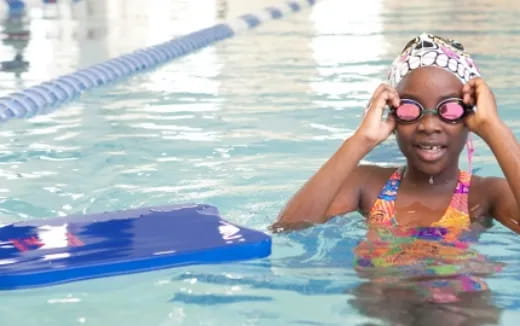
47, 96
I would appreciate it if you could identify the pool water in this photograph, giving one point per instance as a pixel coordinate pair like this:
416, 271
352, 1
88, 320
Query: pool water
240, 125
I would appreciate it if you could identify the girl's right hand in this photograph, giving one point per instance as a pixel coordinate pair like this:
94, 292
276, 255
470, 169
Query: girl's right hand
374, 129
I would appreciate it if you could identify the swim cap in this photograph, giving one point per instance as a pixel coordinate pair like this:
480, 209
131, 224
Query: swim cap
430, 50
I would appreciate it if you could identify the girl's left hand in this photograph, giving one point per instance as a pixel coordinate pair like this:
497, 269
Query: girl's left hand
477, 92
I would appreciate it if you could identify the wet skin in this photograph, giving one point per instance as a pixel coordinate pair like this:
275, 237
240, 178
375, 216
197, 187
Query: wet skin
432, 148
418, 202
428, 86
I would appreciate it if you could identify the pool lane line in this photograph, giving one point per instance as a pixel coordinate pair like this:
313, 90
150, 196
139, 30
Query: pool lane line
47, 96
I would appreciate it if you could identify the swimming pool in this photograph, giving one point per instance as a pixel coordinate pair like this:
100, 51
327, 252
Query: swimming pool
239, 125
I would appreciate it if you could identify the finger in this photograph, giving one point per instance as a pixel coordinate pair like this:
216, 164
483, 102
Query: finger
381, 101
468, 99
376, 93
481, 87
471, 87
481, 92
390, 120
468, 93
477, 81
395, 99
384, 95
389, 124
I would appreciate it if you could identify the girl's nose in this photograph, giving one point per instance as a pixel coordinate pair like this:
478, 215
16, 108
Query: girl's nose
430, 123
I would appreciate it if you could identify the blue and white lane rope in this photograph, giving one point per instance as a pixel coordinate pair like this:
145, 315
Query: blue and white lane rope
46, 96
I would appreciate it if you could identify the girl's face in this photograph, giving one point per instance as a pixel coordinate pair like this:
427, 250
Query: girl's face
430, 144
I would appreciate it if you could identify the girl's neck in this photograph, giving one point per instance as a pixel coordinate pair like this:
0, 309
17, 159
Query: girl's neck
445, 177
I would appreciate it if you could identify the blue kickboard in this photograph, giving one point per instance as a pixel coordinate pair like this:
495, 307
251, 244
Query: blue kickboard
50, 251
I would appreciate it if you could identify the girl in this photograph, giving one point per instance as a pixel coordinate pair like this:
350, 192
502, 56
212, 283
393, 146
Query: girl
420, 216
436, 96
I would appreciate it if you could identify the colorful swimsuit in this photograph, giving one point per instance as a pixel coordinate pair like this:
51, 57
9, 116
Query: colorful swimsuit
434, 260
456, 216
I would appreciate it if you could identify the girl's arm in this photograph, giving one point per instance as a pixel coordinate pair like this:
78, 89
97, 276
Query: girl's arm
504, 195
315, 201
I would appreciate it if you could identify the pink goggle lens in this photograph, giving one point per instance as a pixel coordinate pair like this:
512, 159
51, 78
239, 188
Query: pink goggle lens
451, 111
408, 112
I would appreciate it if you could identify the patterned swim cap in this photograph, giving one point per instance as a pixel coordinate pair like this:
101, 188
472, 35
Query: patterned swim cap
430, 50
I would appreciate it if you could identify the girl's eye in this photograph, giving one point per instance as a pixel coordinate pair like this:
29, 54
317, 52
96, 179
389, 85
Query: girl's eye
408, 111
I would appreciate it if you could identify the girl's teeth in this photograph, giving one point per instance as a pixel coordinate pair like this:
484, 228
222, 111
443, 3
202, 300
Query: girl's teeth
430, 148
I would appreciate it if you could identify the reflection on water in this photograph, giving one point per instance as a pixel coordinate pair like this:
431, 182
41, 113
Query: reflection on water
400, 305
408, 276
17, 33
222, 9
424, 276
315, 265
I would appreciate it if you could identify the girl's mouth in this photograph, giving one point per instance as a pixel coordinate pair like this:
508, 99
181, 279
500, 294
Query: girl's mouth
430, 152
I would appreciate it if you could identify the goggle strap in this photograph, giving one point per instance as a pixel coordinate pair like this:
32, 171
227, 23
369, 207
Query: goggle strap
470, 148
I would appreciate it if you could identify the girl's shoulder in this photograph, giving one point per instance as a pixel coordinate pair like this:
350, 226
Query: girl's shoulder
358, 189
481, 188
372, 180
486, 193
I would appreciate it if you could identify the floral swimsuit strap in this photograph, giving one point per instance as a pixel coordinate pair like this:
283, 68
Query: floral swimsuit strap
456, 215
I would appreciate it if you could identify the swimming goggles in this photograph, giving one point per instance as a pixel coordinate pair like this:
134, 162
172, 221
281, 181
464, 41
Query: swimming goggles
450, 110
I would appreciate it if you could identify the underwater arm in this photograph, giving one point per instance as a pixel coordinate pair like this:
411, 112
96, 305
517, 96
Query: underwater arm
317, 201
